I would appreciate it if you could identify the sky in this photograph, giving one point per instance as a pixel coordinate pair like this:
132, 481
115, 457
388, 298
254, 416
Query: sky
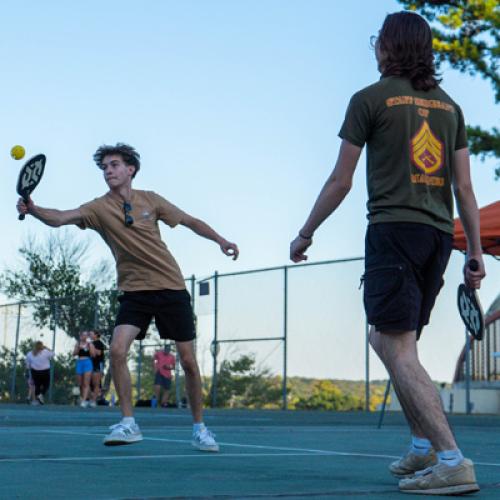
235, 109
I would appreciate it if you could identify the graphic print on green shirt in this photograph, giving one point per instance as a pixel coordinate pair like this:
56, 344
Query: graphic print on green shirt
411, 137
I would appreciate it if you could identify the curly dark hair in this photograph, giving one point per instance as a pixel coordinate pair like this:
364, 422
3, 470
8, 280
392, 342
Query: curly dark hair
129, 155
406, 43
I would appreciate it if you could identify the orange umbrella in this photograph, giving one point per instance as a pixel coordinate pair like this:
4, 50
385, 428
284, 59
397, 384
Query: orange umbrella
490, 230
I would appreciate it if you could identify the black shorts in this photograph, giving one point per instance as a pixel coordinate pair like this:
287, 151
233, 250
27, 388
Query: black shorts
404, 267
97, 367
171, 310
165, 382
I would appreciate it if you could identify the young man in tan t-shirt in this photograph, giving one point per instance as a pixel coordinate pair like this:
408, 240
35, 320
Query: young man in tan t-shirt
147, 274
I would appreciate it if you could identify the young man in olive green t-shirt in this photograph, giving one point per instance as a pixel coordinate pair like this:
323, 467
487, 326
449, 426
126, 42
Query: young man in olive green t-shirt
416, 155
147, 274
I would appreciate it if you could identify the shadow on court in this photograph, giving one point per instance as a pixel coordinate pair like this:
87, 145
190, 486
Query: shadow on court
56, 452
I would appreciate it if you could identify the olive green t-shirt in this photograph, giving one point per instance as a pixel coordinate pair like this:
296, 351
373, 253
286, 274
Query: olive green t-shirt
143, 261
411, 136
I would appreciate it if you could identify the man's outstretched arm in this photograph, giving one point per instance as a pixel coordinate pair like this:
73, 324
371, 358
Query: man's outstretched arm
203, 229
49, 216
334, 191
469, 214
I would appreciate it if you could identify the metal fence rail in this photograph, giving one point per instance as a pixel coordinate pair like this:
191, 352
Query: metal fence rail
246, 312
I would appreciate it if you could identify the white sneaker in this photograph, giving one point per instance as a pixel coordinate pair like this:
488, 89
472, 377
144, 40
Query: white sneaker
40, 399
84, 404
35, 402
204, 440
92, 404
123, 434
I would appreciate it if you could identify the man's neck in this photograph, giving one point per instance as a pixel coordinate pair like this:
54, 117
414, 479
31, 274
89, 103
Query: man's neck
124, 193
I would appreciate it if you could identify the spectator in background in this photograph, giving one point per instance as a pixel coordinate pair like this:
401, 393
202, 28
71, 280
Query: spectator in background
30, 398
164, 363
84, 349
97, 367
38, 362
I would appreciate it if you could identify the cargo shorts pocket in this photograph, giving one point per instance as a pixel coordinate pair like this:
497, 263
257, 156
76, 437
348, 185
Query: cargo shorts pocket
385, 294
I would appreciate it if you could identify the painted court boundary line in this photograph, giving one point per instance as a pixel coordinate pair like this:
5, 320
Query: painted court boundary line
143, 457
239, 445
289, 451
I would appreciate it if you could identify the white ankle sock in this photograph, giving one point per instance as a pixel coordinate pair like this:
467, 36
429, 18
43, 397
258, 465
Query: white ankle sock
420, 446
450, 457
198, 427
128, 421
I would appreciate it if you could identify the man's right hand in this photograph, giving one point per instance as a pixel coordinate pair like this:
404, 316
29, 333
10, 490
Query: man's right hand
24, 207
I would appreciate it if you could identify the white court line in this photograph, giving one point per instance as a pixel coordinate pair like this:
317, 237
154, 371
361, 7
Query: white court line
239, 445
300, 451
144, 457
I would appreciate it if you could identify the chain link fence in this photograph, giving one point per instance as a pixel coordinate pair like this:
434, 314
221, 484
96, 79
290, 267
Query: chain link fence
262, 337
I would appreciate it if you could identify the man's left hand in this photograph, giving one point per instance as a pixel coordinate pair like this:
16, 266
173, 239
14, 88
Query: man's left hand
298, 247
230, 249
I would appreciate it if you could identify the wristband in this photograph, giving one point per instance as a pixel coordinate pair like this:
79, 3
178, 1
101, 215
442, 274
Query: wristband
305, 237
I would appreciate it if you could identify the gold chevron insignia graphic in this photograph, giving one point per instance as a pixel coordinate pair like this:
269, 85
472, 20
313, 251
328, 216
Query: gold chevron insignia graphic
426, 150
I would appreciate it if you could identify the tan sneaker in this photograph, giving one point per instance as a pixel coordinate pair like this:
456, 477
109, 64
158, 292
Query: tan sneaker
442, 479
409, 464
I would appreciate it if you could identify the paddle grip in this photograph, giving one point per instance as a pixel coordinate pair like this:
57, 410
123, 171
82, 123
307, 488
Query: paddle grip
22, 216
473, 265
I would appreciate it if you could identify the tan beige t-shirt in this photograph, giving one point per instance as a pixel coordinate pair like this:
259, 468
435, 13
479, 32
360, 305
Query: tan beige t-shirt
143, 261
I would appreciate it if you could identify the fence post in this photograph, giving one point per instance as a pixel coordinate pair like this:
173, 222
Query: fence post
367, 366
285, 334
96, 311
139, 369
468, 405
214, 343
56, 317
14, 361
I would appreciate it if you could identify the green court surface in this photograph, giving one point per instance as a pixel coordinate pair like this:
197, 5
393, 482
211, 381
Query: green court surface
56, 452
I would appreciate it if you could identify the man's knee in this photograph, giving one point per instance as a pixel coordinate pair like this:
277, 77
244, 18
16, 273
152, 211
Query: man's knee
188, 362
118, 353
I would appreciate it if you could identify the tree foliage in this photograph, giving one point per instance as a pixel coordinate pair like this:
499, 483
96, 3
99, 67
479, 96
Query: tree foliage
52, 278
467, 36
241, 384
326, 395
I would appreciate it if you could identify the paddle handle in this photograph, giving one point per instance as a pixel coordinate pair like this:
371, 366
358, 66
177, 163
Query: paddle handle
22, 216
473, 265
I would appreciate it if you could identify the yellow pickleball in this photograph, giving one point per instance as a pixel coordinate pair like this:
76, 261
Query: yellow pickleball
17, 152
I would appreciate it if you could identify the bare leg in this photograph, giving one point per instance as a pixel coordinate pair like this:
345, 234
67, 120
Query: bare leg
375, 342
79, 381
86, 385
418, 396
193, 379
123, 336
157, 390
164, 398
96, 385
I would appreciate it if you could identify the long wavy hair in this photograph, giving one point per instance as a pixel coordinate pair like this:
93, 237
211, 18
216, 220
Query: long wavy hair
405, 43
